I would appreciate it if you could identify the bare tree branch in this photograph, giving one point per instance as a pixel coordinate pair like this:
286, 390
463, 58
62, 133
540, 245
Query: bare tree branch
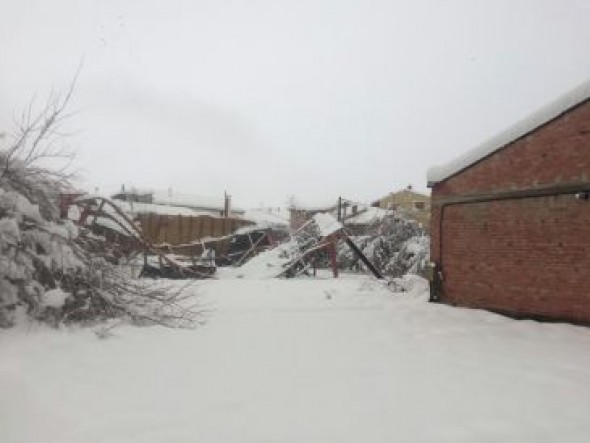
75, 264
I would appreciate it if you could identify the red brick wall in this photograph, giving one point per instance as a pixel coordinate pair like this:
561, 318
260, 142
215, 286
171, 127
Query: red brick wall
555, 153
530, 256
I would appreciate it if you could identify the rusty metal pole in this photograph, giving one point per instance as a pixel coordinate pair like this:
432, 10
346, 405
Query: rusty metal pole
363, 258
331, 249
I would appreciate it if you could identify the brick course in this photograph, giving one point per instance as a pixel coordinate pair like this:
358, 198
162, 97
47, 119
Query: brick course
522, 256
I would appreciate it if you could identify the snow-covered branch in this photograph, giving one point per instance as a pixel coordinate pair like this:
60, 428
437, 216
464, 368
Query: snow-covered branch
50, 269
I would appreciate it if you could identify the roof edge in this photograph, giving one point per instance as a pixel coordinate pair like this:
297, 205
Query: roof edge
545, 114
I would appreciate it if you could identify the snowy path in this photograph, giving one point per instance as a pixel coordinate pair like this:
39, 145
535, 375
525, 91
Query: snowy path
324, 361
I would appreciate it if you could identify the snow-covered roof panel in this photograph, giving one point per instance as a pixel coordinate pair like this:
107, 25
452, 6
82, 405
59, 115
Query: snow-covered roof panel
147, 208
179, 199
547, 113
326, 224
191, 200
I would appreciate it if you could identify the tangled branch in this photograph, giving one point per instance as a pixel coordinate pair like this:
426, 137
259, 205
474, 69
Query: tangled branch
53, 270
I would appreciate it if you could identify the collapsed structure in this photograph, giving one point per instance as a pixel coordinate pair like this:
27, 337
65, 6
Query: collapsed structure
287, 256
124, 237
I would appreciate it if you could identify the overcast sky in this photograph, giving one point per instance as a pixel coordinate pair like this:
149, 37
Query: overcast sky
271, 98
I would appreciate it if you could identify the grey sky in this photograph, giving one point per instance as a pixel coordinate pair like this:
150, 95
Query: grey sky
270, 98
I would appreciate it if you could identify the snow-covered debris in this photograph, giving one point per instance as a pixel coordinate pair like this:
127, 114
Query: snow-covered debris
266, 219
291, 256
411, 258
244, 230
548, 112
396, 245
327, 224
270, 263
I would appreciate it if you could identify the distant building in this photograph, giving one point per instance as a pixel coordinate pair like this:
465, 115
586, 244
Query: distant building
175, 203
511, 218
412, 203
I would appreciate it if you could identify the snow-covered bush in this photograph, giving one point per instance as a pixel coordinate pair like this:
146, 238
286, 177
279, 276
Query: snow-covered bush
411, 258
51, 270
397, 245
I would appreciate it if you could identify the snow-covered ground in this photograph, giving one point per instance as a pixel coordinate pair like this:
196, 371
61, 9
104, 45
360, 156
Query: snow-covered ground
306, 360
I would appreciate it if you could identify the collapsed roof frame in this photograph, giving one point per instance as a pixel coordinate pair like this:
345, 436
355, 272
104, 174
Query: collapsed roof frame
95, 206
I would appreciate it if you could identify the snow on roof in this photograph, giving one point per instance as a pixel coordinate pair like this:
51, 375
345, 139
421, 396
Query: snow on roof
316, 205
547, 113
149, 208
268, 264
194, 201
412, 192
180, 199
265, 218
366, 216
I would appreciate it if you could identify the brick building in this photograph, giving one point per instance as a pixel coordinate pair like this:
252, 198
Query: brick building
511, 219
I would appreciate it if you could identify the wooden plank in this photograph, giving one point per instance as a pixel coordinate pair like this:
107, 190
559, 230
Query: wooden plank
217, 227
207, 228
156, 234
191, 227
177, 240
198, 228
161, 223
173, 231
169, 223
186, 230
156, 222
220, 227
